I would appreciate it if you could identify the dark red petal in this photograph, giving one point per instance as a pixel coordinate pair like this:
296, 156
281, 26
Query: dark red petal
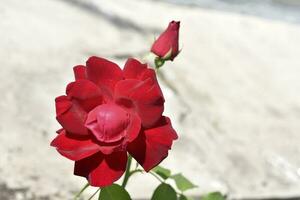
102, 170
147, 98
71, 116
74, 148
86, 93
79, 72
152, 145
59, 131
103, 73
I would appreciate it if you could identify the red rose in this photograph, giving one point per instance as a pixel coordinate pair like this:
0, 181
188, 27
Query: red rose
166, 46
108, 112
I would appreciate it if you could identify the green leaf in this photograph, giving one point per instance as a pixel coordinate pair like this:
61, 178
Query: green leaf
114, 192
182, 182
213, 196
164, 192
162, 172
183, 197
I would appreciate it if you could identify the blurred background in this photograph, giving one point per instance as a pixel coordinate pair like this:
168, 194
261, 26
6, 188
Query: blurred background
233, 93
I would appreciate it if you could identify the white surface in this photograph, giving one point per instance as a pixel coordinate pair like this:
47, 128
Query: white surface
237, 110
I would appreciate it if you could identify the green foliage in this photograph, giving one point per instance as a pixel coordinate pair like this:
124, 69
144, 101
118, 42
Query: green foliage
213, 196
162, 172
182, 182
164, 192
114, 192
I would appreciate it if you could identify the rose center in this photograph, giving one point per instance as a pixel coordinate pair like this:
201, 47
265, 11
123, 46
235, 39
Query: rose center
108, 122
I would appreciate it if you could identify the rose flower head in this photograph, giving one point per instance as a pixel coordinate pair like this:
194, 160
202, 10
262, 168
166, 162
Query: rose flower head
166, 46
107, 113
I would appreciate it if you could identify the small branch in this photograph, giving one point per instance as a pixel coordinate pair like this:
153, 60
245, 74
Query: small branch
153, 174
94, 194
81, 191
127, 173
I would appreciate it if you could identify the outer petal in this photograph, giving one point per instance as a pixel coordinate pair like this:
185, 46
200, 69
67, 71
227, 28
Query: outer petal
133, 69
62, 104
102, 170
79, 72
146, 97
59, 131
71, 116
149, 73
103, 73
152, 145
86, 93
74, 148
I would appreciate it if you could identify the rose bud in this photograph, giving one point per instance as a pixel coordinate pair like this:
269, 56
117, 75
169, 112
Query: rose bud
166, 46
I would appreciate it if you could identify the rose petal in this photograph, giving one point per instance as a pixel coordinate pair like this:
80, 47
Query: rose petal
146, 97
149, 73
86, 93
152, 145
134, 127
71, 116
103, 73
113, 126
62, 104
108, 148
74, 148
59, 131
79, 72
102, 170
108, 122
133, 69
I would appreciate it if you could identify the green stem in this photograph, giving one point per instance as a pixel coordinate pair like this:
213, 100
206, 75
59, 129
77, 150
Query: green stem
159, 62
94, 194
153, 174
135, 171
127, 173
81, 191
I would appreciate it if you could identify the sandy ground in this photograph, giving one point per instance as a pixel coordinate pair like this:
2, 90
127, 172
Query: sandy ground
233, 93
